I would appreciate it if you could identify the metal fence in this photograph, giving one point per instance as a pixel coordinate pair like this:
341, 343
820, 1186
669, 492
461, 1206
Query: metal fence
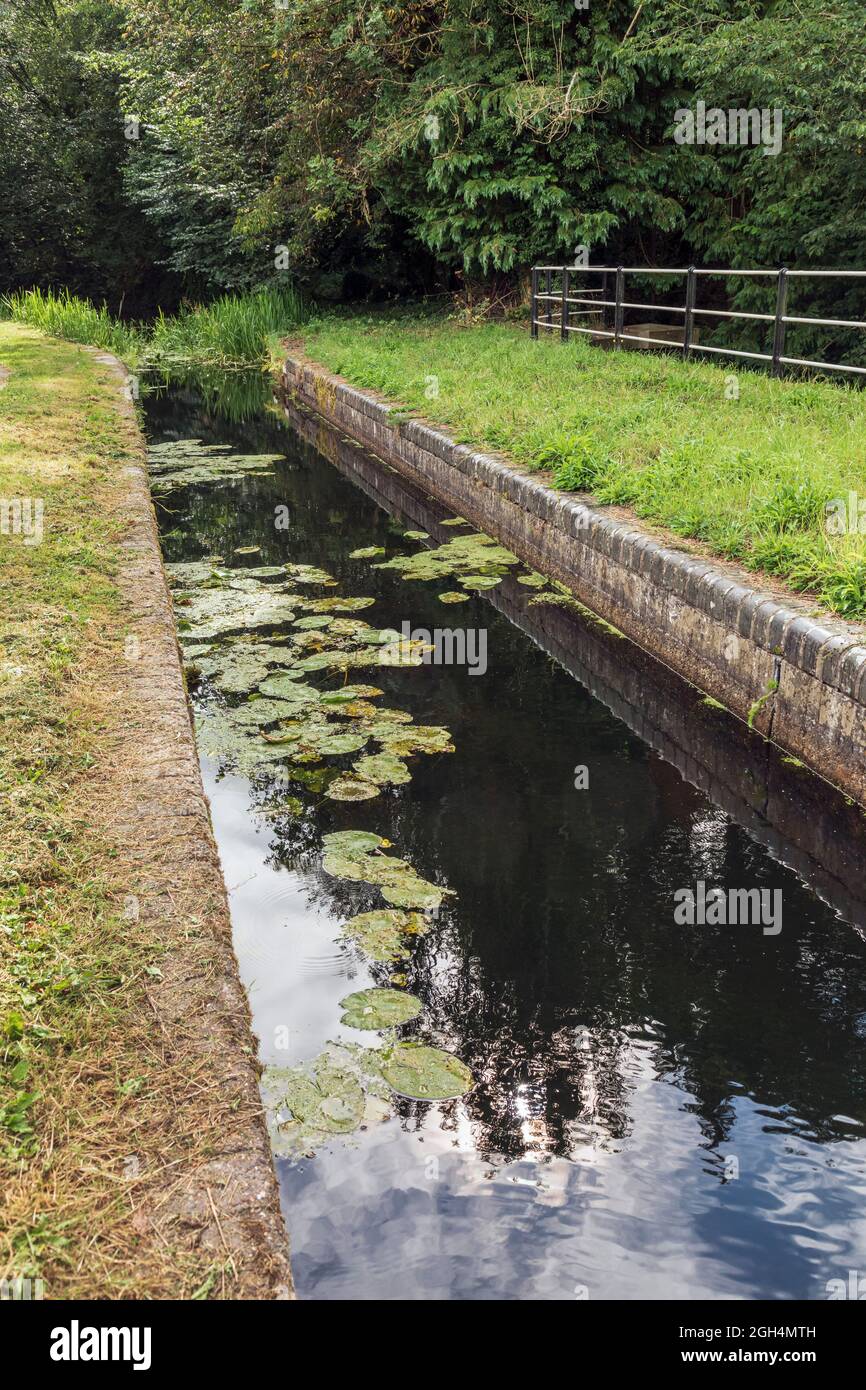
594, 303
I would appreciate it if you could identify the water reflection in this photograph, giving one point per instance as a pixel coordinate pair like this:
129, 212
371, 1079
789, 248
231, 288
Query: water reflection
659, 1111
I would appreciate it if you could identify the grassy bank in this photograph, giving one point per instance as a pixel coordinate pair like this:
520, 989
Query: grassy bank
731, 458
233, 331
94, 1110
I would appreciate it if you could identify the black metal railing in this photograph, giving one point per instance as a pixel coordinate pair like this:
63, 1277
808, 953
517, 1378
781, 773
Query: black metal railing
557, 305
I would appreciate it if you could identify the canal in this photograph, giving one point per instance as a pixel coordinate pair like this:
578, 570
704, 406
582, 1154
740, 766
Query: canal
655, 1106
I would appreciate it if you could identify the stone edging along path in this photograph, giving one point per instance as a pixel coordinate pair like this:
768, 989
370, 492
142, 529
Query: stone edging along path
227, 1204
800, 680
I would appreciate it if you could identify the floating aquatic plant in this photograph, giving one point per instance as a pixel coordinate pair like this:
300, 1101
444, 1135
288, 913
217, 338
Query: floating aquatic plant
349, 787
426, 1073
383, 768
357, 855
379, 1008
184, 462
348, 1088
380, 934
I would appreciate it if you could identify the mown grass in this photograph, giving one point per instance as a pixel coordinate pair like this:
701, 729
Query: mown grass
82, 1086
232, 331
734, 459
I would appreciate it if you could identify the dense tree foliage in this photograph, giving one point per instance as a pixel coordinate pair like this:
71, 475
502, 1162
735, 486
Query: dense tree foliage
374, 148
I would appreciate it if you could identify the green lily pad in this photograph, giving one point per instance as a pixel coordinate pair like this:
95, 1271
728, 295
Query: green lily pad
349, 787
309, 574
379, 1008
367, 552
334, 605
257, 714
480, 581
420, 738
349, 693
533, 580
453, 597
290, 688
314, 622
416, 535
184, 462
455, 521
384, 769
426, 1073
247, 550
337, 743
380, 934
414, 892
353, 843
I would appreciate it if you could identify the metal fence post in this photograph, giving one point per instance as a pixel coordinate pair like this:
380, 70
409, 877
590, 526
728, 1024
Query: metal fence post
548, 290
690, 311
563, 313
779, 323
533, 305
618, 310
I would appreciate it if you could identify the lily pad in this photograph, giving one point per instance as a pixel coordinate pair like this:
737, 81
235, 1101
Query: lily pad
426, 1073
533, 580
368, 552
247, 550
384, 769
315, 622
480, 581
455, 521
306, 1110
333, 744
453, 597
416, 535
290, 688
334, 605
349, 787
355, 843
414, 892
379, 1008
257, 714
419, 738
380, 934
349, 693
309, 574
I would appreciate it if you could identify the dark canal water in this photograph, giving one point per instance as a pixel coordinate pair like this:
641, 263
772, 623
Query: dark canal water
659, 1110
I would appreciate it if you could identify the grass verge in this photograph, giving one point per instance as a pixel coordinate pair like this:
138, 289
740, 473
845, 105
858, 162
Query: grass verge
101, 1106
771, 473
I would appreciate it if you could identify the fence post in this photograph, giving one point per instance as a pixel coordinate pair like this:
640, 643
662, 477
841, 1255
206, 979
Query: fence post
563, 313
548, 290
779, 324
533, 305
618, 310
690, 311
